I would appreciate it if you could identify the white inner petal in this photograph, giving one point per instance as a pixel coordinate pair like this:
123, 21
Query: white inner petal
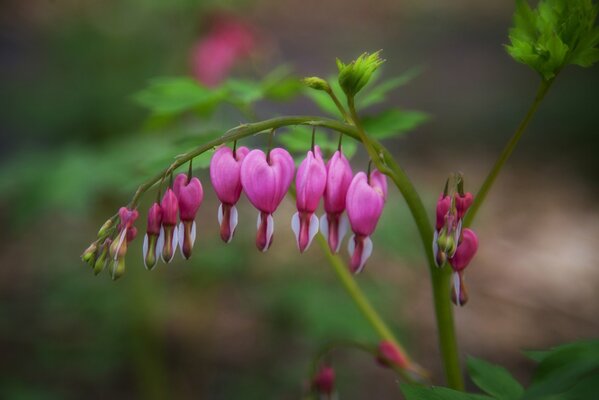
145, 249
220, 214
179, 233
270, 228
121, 238
351, 246
343, 228
456, 287
436, 247
193, 233
313, 229
233, 222
366, 252
258, 221
324, 227
160, 243
295, 227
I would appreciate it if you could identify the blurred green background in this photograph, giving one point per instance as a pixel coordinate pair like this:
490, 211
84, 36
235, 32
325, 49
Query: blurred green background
235, 323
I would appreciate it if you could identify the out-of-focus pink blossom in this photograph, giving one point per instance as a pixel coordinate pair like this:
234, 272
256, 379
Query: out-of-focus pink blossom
227, 41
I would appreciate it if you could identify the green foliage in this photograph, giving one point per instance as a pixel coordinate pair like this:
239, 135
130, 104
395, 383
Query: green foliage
175, 95
417, 392
378, 93
355, 75
393, 122
555, 34
298, 139
494, 380
566, 371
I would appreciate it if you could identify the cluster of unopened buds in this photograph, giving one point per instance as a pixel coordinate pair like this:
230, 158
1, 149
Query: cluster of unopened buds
452, 242
350, 201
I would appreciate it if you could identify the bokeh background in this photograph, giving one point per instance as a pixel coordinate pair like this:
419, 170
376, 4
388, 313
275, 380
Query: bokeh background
233, 323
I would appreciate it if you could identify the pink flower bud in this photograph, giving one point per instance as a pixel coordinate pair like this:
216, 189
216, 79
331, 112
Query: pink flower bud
365, 201
170, 210
225, 174
310, 183
390, 356
127, 218
334, 224
265, 183
443, 206
153, 241
466, 250
324, 381
462, 203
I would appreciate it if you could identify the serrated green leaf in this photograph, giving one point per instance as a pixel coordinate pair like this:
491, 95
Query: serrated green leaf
417, 392
563, 368
393, 122
494, 380
176, 95
379, 92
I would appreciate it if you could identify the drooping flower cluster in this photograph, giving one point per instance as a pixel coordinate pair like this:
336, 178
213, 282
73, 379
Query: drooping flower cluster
451, 241
265, 178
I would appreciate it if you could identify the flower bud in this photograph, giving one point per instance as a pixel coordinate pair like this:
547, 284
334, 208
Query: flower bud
190, 194
102, 259
107, 225
462, 203
390, 356
316, 83
355, 75
465, 250
90, 253
153, 241
170, 211
323, 382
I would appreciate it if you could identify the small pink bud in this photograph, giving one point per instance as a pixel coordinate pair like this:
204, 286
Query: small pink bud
225, 174
310, 183
324, 381
390, 356
466, 250
365, 201
170, 210
334, 224
462, 203
154, 220
265, 183
443, 206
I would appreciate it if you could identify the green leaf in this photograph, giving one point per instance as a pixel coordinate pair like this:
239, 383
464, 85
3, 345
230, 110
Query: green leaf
243, 91
176, 95
563, 368
378, 93
494, 380
322, 100
555, 34
393, 122
417, 392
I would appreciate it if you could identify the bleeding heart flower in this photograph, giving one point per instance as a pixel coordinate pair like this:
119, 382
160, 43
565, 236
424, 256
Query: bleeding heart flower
170, 211
190, 194
462, 203
310, 183
225, 174
153, 241
463, 255
334, 224
265, 181
365, 200
118, 247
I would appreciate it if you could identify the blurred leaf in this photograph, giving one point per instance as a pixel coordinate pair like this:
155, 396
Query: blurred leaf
176, 95
393, 122
280, 84
298, 139
243, 90
417, 392
494, 380
563, 368
555, 34
322, 100
379, 92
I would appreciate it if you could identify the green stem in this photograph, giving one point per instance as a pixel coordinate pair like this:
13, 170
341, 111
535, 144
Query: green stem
507, 151
440, 278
